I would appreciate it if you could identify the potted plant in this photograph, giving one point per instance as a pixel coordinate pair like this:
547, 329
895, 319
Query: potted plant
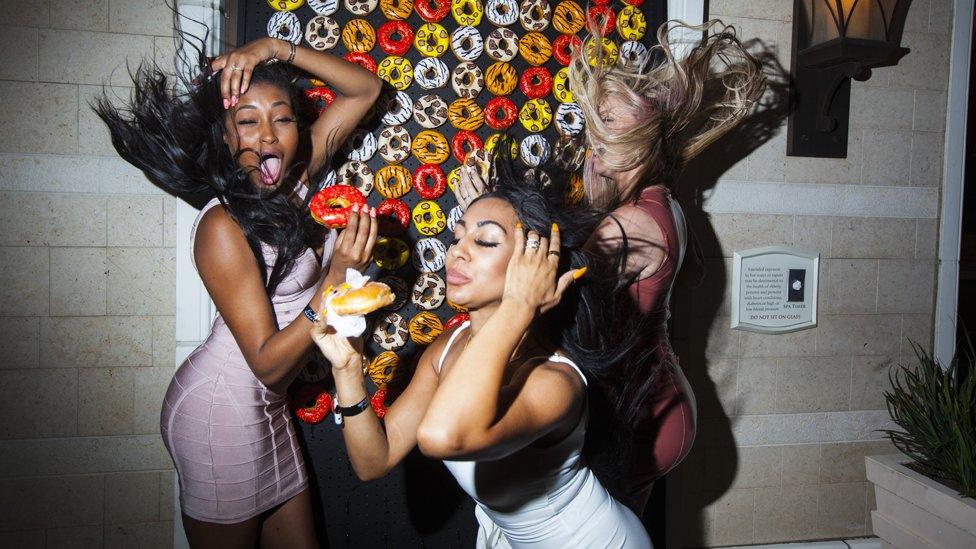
925, 495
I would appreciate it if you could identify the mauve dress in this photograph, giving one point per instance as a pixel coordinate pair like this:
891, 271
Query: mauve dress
230, 437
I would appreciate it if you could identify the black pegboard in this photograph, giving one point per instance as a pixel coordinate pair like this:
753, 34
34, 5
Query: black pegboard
419, 504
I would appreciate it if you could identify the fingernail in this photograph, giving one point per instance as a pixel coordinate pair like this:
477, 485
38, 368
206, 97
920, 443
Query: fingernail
226, 103
233, 101
372, 212
555, 227
518, 225
578, 273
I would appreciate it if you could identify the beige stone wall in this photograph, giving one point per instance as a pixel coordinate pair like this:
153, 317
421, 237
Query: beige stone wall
87, 269
786, 419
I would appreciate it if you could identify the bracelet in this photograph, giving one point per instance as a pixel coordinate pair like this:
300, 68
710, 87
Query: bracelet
348, 411
310, 314
291, 54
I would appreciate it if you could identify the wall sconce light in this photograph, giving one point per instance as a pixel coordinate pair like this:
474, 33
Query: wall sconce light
833, 42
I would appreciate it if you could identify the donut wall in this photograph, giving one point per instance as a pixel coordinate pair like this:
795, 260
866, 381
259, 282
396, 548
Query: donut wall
459, 74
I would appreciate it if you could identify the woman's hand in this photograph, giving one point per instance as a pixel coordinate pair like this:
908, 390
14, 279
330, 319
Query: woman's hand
469, 187
238, 65
354, 247
531, 280
341, 352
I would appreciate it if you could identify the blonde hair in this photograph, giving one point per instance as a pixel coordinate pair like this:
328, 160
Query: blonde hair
679, 106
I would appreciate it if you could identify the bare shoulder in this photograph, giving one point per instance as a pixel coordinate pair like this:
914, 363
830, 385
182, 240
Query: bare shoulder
433, 353
556, 376
219, 239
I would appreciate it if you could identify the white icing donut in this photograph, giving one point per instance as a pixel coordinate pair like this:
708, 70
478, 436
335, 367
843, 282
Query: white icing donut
360, 145
430, 111
396, 108
360, 7
328, 179
324, 7
357, 174
467, 43
502, 44
569, 119
467, 80
632, 54
534, 150
454, 216
430, 73
429, 292
535, 15
284, 25
429, 255
391, 332
394, 144
322, 33
502, 12
569, 152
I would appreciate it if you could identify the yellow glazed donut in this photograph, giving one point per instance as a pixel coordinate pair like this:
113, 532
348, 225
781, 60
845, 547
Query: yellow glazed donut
466, 114
631, 23
560, 86
397, 71
535, 48
454, 178
568, 17
384, 369
398, 10
492, 142
467, 13
501, 78
429, 218
425, 327
535, 115
431, 39
358, 35
610, 52
390, 253
285, 5
393, 181
430, 147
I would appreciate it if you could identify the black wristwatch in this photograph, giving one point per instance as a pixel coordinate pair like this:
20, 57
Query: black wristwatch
338, 412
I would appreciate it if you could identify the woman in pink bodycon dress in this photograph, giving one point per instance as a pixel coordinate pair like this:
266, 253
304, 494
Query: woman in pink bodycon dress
238, 138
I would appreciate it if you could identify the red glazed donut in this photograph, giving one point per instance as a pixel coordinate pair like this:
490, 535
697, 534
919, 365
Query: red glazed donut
432, 11
320, 93
535, 82
393, 216
311, 404
331, 205
378, 402
462, 138
635, 3
456, 320
362, 59
394, 46
508, 110
562, 47
596, 13
430, 181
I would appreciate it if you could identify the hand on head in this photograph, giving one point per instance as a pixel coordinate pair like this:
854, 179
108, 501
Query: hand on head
237, 65
531, 279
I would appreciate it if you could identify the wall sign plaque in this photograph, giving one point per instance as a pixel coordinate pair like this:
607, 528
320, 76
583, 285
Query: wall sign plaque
774, 289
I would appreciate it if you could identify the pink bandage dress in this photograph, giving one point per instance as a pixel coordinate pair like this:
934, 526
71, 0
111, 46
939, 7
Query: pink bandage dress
230, 437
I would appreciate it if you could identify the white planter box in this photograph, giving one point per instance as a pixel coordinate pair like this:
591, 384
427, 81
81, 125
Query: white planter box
914, 511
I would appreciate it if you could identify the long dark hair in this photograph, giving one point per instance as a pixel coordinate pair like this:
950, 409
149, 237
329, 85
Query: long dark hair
172, 129
595, 323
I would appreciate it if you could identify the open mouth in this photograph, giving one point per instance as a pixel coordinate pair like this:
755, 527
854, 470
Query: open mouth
270, 168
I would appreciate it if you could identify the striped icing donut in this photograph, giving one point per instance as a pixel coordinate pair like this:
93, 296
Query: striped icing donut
430, 147
393, 181
501, 78
358, 35
467, 44
399, 289
430, 111
394, 144
284, 25
454, 215
396, 10
534, 15
360, 145
535, 115
391, 332
466, 114
431, 40
568, 17
356, 174
467, 79
390, 253
535, 48
560, 86
425, 327
631, 23
467, 13
360, 7
328, 179
430, 73
324, 7
569, 119
632, 54
429, 291
576, 189
502, 13
384, 370
429, 255
322, 33
502, 44
534, 150
395, 108
397, 71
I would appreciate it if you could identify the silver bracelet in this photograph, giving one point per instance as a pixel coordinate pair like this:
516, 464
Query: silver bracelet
291, 54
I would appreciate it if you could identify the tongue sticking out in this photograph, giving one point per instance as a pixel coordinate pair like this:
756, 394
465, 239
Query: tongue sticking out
270, 170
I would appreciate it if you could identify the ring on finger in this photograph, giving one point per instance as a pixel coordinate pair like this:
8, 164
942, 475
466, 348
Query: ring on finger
532, 244
553, 252
236, 68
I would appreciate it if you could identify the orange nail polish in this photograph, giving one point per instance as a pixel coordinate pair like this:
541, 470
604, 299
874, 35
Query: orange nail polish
578, 273
555, 227
518, 225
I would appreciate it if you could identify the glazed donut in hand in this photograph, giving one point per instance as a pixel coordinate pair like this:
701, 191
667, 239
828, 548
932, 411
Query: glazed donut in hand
331, 206
344, 300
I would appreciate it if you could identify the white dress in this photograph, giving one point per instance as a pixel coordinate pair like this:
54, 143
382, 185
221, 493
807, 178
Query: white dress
545, 497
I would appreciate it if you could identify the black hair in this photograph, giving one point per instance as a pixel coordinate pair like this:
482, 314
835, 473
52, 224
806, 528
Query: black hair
172, 129
595, 323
